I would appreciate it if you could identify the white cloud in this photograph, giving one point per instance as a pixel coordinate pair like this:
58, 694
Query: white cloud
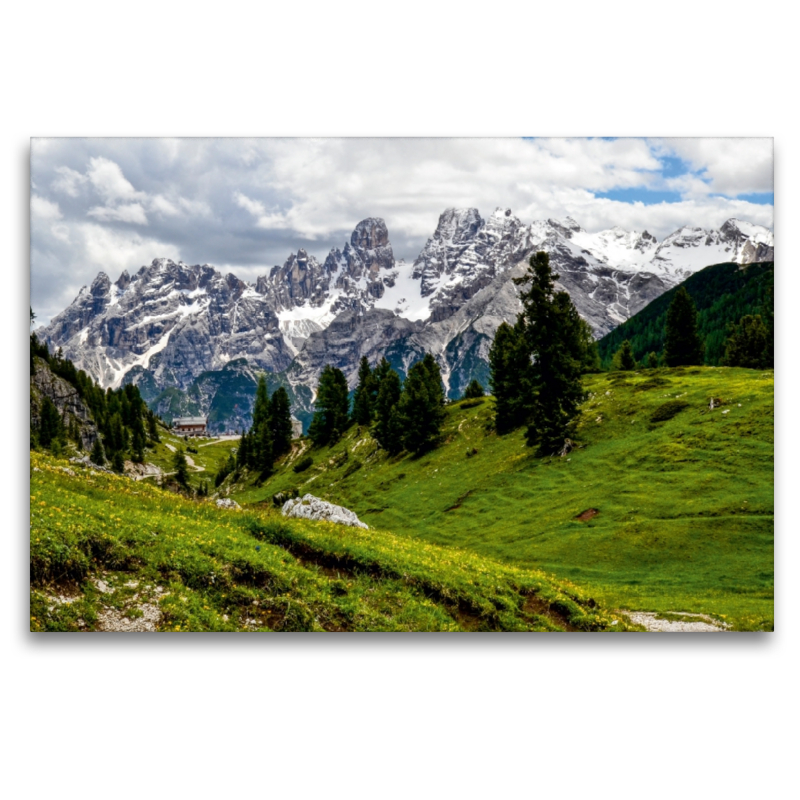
161, 205
663, 219
264, 219
732, 166
248, 203
195, 208
126, 213
107, 179
44, 209
112, 250
69, 181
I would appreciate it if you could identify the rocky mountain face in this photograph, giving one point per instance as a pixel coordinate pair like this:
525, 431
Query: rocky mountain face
65, 397
170, 323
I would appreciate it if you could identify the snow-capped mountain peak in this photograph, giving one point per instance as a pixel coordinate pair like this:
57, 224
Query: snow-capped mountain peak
171, 321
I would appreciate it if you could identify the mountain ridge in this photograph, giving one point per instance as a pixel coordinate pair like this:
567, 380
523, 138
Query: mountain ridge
169, 322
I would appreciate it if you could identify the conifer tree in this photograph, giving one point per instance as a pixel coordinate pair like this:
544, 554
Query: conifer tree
434, 373
554, 340
263, 454
332, 407
51, 428
421, 406
117, 461
152, 427
137, 446
181, 468
590, 361
623, 358
768, 312
280, 420
243, 454
260, 444
474, 390
682, 344
97, 455
388, 428
362, 399
378, 374
746, 345
510, 367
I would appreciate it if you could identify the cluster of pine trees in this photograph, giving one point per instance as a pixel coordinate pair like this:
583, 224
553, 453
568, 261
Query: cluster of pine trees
536, 364
724, 296
749, 343
125, 423
404, 415
270, 435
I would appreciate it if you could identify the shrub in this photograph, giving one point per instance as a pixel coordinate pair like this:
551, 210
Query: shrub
354, 465
668, 410
473, 390
303, 465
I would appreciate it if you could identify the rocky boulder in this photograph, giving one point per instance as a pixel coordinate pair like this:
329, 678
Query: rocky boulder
310, 507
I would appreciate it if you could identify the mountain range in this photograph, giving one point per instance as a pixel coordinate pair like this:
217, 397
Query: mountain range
171, 323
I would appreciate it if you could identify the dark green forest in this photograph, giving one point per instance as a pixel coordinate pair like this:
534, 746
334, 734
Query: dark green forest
723, 294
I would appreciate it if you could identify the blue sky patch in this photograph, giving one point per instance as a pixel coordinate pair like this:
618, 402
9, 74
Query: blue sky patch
638, 194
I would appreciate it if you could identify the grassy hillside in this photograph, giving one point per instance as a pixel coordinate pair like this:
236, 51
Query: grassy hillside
210, 456
108, 553
723, 294
684, 505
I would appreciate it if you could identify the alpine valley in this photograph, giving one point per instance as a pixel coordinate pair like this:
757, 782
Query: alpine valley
194, 340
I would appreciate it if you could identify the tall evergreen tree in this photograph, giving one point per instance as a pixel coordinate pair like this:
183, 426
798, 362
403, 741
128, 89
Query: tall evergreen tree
260, 455
362, 399
243, 455
97, 455
382, 369
510, 366
137, 446
280, 420
51, 427
590, 362
118, 461
388, 430
623, 358
768, 312
181, 468
747, 344
554, 340
435, 384
262, 448
152, 427
332, 407
682, 344
421, 406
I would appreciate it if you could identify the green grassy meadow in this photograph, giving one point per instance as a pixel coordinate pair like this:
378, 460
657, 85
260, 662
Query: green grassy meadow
684, 505
103, 545
211, 455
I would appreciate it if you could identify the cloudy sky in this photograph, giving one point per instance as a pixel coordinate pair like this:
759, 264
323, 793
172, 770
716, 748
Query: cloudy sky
244, 204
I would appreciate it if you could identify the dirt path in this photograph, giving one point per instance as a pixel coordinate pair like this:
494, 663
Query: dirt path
231, 438
190, 462
690, 623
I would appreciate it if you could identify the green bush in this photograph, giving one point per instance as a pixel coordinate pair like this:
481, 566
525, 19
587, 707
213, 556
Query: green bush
355, 465
303, 465
668, 410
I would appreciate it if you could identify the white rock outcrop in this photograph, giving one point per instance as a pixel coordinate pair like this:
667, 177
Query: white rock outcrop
226, 502
310, 507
